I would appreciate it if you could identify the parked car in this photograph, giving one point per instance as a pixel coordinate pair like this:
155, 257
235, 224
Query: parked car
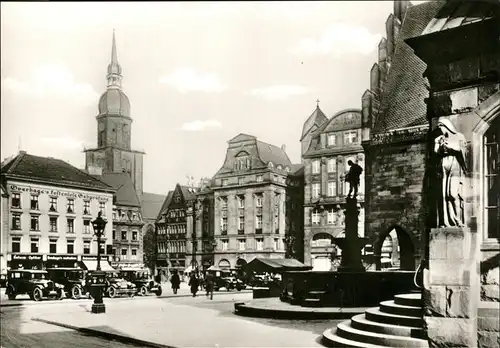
117, 286
229, 283
73, 280
143, 281
34, 283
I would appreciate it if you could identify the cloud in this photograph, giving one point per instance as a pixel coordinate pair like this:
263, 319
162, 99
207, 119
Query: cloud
63, 143
199, 125
188, 80
337, 40
279, 91
53, 81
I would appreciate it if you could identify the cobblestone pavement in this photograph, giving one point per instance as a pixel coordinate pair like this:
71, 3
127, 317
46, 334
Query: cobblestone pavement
19, 331
187, 322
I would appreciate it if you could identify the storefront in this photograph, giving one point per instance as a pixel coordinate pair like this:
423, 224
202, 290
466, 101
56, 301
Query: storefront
25, 261
60, 261
89, 263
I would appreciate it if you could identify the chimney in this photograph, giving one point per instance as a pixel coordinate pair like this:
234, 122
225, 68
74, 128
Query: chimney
283, 147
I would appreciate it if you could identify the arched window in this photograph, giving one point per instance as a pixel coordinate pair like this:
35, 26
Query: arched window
270, 165
492, 180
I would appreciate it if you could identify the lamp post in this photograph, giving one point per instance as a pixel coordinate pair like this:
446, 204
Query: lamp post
98, 277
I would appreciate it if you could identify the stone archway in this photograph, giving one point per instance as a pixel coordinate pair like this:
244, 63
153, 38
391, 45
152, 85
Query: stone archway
406, 247
323, 251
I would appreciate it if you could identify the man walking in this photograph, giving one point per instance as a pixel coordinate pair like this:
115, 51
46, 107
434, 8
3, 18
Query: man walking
209, 285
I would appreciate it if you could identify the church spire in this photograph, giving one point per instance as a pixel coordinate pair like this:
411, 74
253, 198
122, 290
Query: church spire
114, 69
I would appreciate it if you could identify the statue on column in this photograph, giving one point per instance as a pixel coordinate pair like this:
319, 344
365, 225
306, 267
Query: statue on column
352, 177
451, 148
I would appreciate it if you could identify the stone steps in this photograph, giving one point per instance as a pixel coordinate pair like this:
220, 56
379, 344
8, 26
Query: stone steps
394, 308
360, 322
414, 300
346, 330
397, 323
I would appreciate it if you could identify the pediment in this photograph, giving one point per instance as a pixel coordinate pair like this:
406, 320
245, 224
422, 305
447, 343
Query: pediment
349, 119
242, 137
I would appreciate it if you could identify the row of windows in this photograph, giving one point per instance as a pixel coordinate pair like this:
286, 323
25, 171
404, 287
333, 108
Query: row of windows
53, 224
172, 247
333, 217
124, 236
124, 254
350, 137
70, 204
122, 214
53, 249
278, 244
172, 229
258, 178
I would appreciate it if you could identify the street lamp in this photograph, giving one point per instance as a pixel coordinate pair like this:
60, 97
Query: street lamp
98, 277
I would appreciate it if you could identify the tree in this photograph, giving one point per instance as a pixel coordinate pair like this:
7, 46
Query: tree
149, 247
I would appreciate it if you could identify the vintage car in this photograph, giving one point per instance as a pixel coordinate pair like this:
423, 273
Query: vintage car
229, 283
3, 280
34, 283
73, 280
117, 286
142, 280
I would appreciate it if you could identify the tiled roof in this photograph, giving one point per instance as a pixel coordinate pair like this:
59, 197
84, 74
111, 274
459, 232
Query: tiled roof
51, 171
166, 203
321, 129
151, 205
188, 192
402, 99
317, 118
271, 153
459, 13
125, 190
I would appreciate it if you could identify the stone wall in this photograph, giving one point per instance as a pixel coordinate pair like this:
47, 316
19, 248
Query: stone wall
395, 181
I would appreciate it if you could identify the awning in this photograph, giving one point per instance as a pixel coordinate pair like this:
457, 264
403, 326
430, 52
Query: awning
91, 265
189, 269
275, 265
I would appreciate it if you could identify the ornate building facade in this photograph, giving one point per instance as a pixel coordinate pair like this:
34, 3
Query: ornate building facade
47, 214
257, 207
174, 229
328, 145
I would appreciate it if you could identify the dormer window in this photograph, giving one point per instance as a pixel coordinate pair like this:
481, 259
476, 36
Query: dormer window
270, 165
279, 167
350, 137
242, 161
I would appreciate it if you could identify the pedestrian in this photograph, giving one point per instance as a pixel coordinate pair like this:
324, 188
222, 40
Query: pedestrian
209, 285
194, 283
176, 281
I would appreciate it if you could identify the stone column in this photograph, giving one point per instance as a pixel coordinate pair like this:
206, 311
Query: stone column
351, 248
451, 291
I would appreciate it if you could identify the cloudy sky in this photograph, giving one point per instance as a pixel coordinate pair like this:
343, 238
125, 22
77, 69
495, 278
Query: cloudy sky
197, 74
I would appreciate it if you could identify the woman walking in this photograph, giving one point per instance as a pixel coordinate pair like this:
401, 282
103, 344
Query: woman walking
194, 283
176, 282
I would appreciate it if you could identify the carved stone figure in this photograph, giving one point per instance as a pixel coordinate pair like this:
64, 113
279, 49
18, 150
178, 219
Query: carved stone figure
451, 148
352, 177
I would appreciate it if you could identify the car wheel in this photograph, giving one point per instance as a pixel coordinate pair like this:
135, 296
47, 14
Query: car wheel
11, 292
76, 292
159, 291
37, 294
143, 291
111, 292
60, 294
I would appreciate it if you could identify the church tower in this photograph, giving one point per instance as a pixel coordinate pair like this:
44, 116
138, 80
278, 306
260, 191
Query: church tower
113, 153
